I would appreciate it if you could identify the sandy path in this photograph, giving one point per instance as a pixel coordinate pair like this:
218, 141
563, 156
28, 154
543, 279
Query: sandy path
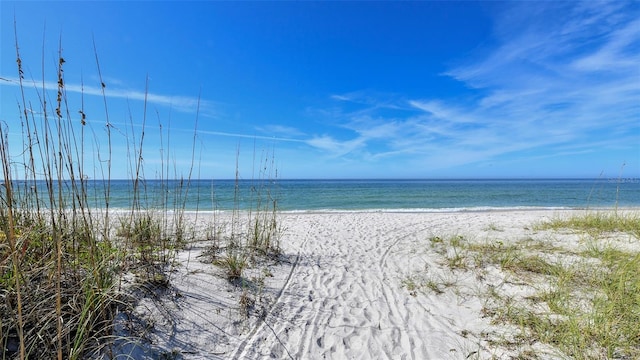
345, 299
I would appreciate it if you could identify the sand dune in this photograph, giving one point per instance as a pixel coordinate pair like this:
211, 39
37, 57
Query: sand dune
349, 286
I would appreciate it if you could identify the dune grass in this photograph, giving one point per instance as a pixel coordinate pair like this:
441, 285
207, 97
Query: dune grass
585, 303
598, 222
63, 252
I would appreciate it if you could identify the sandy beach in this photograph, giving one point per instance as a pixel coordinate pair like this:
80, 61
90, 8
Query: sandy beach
356, 285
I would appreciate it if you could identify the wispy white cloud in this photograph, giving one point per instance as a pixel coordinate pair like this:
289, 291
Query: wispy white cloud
563, 79
617, 54
246, 136
341, 97
185, 104
280, 130
336, 147
372, 99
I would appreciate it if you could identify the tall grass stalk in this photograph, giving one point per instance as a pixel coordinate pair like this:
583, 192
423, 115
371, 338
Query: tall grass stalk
10, 235
62, 257
258, 234
61, 265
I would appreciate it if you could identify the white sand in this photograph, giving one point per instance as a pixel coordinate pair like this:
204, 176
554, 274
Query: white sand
343, 291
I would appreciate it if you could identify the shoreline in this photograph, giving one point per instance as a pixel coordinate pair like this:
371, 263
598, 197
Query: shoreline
376, 210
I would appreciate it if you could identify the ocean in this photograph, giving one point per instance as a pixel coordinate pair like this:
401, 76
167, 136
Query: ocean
368, 195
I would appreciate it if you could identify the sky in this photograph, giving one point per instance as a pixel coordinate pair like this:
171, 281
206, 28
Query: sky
338, 89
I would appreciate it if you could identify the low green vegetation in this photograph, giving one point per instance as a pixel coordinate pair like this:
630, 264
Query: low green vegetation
584, 303
597, 223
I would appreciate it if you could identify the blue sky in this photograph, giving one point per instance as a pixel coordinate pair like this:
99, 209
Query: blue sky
340, 89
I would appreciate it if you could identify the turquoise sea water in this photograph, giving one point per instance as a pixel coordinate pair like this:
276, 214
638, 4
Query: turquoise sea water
358, 195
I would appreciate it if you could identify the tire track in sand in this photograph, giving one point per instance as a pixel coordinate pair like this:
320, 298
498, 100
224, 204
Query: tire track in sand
342, 300
239, 353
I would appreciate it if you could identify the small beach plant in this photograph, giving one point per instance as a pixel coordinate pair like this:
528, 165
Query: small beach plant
585, 303
254, 232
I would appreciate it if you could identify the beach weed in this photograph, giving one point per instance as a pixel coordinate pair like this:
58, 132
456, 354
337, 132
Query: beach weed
452, 248
60, 267
234, 263
435, 286
493, 227
594, 306
253, 234
590, 306
597, 223
411, 286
